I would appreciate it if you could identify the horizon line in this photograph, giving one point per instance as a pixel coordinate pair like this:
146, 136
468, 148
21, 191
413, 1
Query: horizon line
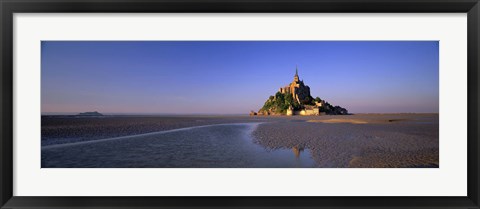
180, 114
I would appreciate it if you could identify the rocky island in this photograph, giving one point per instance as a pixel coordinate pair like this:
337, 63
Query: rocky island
94, 113
295, 99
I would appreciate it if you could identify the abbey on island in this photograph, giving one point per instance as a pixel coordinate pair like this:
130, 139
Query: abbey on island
295, 99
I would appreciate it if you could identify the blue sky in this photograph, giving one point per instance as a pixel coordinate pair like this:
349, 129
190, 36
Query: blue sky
234, 77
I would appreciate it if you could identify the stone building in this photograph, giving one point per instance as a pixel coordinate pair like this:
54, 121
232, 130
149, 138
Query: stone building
290, 110
299, 91
312, 110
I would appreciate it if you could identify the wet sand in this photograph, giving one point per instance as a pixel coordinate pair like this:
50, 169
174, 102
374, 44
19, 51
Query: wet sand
363, 140
368, 140
67, 129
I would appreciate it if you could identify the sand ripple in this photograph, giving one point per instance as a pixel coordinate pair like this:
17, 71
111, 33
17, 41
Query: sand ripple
353, 143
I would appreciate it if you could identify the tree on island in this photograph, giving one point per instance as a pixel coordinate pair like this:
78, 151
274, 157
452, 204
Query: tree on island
279, 104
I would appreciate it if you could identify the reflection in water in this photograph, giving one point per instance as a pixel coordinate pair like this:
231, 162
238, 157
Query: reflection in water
304, 160
297, 150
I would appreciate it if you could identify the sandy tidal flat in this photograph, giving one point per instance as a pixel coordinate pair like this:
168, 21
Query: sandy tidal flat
363, 140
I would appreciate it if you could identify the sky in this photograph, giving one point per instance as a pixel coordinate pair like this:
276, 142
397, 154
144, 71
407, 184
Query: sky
234, 77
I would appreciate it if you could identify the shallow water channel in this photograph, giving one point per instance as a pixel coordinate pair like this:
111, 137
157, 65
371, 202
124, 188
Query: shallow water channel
210, 146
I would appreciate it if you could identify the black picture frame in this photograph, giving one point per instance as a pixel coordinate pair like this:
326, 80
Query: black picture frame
9, 7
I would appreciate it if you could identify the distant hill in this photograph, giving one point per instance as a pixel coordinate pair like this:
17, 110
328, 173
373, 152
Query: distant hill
95, 113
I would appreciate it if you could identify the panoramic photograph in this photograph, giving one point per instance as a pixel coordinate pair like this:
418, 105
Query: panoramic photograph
240, 104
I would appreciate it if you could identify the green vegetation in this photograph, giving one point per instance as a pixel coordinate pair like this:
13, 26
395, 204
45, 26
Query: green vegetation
280, 103
333, 110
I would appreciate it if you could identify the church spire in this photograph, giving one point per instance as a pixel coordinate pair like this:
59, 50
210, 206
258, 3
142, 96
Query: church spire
296, 78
